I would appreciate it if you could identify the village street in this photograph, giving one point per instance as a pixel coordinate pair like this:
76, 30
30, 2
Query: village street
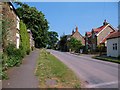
93, 73
96, 74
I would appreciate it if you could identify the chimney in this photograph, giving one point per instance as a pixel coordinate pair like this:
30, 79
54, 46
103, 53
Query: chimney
76, 29
105, 22
73, 32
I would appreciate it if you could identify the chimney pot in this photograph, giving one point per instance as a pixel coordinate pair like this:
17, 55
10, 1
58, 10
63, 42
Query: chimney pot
76, 29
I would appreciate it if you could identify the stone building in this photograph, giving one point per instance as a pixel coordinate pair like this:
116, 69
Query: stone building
98, 36
78, 36
10, 22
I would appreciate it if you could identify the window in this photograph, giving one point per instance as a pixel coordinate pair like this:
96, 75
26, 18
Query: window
115, 46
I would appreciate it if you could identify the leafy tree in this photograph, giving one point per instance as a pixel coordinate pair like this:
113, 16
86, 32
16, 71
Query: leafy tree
101, 48
74, 44
35, 21
63, 43
52, 39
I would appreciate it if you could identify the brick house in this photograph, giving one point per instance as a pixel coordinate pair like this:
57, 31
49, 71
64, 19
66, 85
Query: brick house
78, 36
10, 16
98, 36
113, 44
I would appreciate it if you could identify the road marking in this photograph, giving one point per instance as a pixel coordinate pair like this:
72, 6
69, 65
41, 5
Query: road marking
102, 84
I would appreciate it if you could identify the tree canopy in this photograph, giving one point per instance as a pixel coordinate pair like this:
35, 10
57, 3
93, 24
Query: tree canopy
63, 43
53, 38
74, 44
35, 21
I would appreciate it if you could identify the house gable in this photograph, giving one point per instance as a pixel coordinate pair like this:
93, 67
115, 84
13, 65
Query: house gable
103, 34
78, 36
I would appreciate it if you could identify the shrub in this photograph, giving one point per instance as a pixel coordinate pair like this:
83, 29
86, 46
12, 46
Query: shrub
119, 57
28, 51
3, 75
10, 49
32, 48
14, 56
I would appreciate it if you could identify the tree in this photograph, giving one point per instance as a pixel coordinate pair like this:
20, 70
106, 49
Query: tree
74, 44
63, 43
101, 48
52, 39
35, 21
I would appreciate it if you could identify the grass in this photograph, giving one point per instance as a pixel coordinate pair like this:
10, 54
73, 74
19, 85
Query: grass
49, 67
109, 59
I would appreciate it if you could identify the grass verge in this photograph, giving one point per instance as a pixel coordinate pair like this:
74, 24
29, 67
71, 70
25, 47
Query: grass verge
50, 68
107, 59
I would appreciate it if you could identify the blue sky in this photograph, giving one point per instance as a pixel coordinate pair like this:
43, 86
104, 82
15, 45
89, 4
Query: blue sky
63, 17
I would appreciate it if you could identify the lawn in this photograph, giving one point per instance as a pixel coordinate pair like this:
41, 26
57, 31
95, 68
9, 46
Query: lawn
52, 73
109, 59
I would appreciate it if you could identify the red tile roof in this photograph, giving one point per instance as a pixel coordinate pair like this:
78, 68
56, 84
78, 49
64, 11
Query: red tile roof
115, 34
89, 34
97, 30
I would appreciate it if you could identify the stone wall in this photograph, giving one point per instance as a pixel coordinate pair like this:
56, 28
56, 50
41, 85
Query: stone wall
10, 17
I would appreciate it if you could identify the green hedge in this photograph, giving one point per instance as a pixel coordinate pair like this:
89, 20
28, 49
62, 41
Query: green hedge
25, 41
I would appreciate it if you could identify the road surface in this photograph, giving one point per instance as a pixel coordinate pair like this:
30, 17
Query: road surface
96, 73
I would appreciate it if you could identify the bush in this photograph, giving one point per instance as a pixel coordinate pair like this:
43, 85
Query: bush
119, 57
32, 48
3, 75
28, 51
14, 56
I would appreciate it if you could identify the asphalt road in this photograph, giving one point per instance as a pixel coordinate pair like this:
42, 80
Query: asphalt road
95, 73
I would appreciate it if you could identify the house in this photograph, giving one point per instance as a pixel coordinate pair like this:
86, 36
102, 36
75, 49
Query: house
77, 35
62, 44
113, 44
98, 36
31, 39
10, 21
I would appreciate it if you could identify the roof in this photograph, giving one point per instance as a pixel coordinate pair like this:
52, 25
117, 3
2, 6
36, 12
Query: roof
88, 34
97, 30
115, 34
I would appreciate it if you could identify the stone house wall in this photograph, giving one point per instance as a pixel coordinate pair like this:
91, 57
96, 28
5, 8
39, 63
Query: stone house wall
78, 36
9, 15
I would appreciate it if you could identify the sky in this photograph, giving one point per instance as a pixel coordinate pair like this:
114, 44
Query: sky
63, 17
